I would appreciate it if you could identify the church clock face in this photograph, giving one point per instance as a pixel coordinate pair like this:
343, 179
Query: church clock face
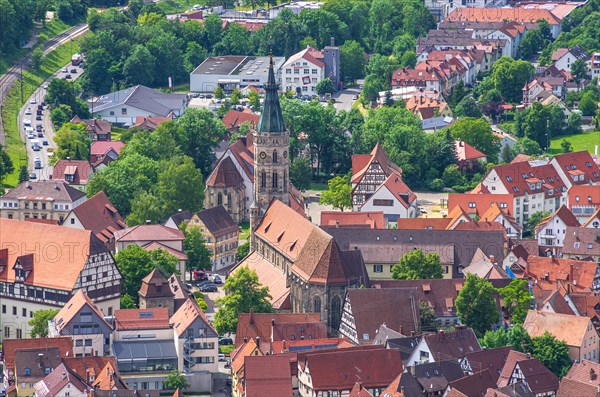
285, 155
263, 155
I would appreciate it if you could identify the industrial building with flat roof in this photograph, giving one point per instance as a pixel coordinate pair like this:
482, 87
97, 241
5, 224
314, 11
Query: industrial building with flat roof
233, 72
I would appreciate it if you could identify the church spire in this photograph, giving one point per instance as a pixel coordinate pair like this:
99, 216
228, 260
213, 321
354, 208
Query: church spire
271, 119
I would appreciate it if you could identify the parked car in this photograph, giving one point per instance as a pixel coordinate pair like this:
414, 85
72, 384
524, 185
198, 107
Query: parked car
225, 341
64, 70
45, 143
200, 276
221, 357
209, 288
38, 127
28, 111
38, 117
73, 70
27, 122
354, 97
228, 381
32, 176
217, 279
40, 134
68, 77
33, 101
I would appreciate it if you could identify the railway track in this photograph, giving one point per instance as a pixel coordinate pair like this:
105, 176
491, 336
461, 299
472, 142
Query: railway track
8, 79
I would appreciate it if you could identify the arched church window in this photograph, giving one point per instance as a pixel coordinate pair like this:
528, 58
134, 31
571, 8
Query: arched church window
336, 306
317, 305
219, 199
274, 156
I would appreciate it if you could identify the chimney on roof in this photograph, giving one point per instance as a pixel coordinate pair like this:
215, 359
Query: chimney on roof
283, 346
245, 339
301, 337
412, 370
337, 224
56, 186
332, 41
68, 158
27, 185
528, 355
272, 328
492, 258
258, 341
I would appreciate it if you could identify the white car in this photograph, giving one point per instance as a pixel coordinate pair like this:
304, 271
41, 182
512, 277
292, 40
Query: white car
33, 101
64, 70
354, 97
27, 122
45, 86
28, 111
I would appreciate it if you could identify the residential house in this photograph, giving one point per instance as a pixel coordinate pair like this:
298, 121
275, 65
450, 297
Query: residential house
372, 220
51, 200
512, 14
533, 374
477, 204
11, 346
155, 292
32, 365
97, 371
176, 219
267, 375
498, 215
144, 123
485, 267
98, 215
76, 173
196, 343
144, 323
467, 156
97, 129
377, 368
548, 272
444, 346
233, 71
576, 168
383, 248
274, 327
429, 79
582, 243
234, 118
492, 359
359, 391
302, 72
540, 88
59, 382
512, 358
583, 201
103, 152
220, 233
84, 263
124, 106
81, 319
594, 65
148, 236
394, 198
593, 222
365, 309
563, 58
427, 379
436, 123
248, 347
428, 108
582, 380
551, 231
576, 331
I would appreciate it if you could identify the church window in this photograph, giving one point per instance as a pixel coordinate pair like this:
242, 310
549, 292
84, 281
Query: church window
317, 304
229, 202
219, 199
274, 156
275, 181
336, 305
263, 179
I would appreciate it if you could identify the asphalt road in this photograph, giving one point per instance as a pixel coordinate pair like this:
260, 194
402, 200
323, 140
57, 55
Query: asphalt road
48, 130
343, 99
13, 74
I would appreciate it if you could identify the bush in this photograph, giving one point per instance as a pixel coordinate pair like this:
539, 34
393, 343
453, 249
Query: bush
437, 185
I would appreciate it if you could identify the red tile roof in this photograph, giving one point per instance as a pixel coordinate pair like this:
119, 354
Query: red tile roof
550, 271
268, 376
136, 319
582, 380
378, 155
186, 315
149, 233
584, 195
580, 162
399, 189
359, 391
77, 302
569, 328
233, 119
515, 178
98, 215
466, 152
149, 123
563, 214
373, 219
502, 14
10, 346
155, 245
100, 148
225, 174
377, 367
423, 223
81, 170
509, 365
310, 54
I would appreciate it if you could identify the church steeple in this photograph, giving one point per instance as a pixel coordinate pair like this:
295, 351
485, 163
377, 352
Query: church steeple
271, 154
271, 119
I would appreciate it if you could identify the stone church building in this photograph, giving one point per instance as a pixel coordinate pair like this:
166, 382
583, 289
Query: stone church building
301, 264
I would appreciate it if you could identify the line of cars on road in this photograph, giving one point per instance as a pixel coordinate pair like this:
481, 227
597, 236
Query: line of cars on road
34, 135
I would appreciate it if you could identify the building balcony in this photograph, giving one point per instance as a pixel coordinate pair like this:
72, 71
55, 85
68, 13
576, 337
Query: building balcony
548, 236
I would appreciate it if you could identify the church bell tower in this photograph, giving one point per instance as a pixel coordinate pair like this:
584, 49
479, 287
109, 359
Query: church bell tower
271, 154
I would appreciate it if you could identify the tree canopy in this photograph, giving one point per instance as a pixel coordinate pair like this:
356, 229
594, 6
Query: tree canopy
39, 322
476, 306
416, 265
338, 193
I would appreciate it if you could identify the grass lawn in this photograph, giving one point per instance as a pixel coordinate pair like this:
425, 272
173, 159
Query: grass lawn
173, 7
583, 141
317, 186
226, 349
244, 231
116, 133
31, 81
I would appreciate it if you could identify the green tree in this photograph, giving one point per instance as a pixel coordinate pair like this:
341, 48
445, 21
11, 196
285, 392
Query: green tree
325, 86
352, 60
300, 172
507, 154
135, 263
535, 220
476, 306
61, 115
588, 105
494, 338
145, 207
531, 43
566, 146
23, 174
579, 71
372, 87
235, 97
242, 251
427, 315
517, 299
175, 380
194, 246
527, 146
72, 141
519, 339
127, 302
194, 55
409, 59
468, 107
39, 322
574, 123
338, 193
243, 292
415, 265
452, 176
219, 93
180, 186
477, 133
509, 76
254, 100
458, 93
138, 68
36, 58
554, 354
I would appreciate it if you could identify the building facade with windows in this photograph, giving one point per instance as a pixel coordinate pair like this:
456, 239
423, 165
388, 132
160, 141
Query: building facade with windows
303, 71
29, 279
50, 200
